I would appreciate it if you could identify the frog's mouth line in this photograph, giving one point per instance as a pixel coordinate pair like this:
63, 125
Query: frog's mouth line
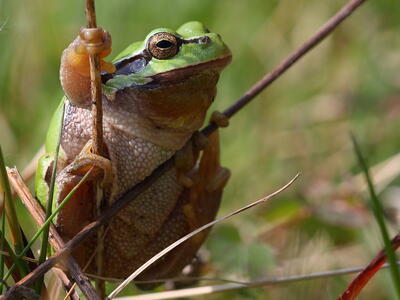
185, 72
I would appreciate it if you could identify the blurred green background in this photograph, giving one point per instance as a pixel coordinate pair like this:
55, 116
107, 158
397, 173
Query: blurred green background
348, 83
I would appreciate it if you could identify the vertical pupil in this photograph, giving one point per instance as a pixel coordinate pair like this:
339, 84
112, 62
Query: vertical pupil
164, 44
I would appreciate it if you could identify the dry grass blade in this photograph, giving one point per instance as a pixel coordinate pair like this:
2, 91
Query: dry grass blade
211, 289
188, 236
382, 174
10, 212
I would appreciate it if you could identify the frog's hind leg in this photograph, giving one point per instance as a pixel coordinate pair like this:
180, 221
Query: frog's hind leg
197, 206
81, 208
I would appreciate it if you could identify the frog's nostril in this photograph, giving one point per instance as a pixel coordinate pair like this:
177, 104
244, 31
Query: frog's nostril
204, 40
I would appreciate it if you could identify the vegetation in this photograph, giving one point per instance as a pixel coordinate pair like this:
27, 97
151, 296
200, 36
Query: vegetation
301, 123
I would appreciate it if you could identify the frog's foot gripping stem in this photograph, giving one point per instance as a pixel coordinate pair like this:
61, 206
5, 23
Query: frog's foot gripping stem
84, 162
209, 180
95, 41
185, 159
75, 66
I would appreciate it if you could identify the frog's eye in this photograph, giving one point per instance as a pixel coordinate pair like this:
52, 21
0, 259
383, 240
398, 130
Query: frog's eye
163, 45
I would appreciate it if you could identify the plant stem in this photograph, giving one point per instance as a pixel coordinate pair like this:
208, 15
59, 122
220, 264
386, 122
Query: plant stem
49, 206
378, 213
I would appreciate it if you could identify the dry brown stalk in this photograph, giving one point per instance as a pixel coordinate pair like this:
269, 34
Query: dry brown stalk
358, 283
97, 137
36, 211
95, 80
269, 78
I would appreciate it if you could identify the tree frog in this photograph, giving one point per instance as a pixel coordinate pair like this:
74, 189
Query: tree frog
155, 97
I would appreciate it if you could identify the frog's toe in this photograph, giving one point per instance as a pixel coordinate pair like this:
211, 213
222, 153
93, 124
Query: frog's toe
100, 166
219, 180
94, 41
220, 119
185, 180
107, 67
184, 158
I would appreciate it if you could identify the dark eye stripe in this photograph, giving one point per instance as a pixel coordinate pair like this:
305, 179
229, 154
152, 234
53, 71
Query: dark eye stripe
132, 66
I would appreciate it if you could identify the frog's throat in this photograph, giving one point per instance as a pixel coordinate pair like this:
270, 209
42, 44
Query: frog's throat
166, 115
175, 75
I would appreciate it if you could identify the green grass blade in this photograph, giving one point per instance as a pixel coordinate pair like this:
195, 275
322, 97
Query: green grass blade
49, 207
12, 219
50, 219
378, 213
7, 248
3, 239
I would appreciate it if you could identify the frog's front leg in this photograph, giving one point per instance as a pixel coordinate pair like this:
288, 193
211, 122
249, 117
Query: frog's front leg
99, 167
75, 66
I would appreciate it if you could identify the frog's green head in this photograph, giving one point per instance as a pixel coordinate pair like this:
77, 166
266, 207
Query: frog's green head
169, 56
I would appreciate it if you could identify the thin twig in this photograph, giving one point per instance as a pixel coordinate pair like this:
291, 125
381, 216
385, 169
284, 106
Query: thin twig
55, 240
67, 284
281, 68
97, 137
147, 182
95, 81
211, 289
160, 254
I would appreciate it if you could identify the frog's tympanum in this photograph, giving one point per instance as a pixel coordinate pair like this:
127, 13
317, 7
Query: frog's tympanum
155, 97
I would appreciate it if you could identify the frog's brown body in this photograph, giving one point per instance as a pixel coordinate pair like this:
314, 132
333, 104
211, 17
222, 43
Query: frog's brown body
144, 125
153, 220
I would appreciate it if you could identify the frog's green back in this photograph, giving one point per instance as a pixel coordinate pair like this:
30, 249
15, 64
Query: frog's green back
53, 133
54, 129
